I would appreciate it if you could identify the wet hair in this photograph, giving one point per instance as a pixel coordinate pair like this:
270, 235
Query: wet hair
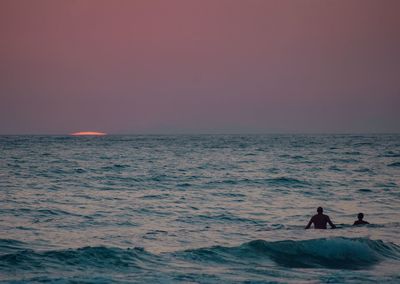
360, 216
320, 210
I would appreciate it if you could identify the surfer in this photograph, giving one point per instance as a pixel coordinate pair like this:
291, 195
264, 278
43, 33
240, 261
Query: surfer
320, 220
360, 220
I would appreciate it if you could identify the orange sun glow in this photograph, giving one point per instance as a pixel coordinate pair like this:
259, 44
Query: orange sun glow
88, 133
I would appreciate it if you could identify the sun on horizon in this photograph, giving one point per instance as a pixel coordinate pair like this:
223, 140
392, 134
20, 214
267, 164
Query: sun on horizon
88, 133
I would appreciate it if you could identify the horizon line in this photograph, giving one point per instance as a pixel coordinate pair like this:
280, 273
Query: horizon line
206, 133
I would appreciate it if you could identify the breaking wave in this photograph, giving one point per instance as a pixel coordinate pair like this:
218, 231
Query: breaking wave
335, 253
330, 253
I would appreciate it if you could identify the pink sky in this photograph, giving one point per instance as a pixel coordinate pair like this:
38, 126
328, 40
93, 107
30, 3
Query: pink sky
206, 66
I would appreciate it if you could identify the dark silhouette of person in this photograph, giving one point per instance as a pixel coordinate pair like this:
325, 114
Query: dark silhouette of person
360, 220
320, 220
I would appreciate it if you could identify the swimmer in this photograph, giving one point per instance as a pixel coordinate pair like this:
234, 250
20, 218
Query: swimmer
320, 220
360, 220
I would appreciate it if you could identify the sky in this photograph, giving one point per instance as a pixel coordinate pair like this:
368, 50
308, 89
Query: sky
199, 66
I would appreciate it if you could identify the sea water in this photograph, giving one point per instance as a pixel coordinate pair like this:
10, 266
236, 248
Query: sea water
199, 209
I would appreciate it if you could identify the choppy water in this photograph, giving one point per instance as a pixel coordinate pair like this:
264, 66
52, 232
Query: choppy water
206, 208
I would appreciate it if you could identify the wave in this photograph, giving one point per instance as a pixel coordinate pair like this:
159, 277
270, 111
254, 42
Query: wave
287, 181
333, 253
283, 181
38, 212
115, 167
10, 245
339, 253
391, 154
395, 164
86, 257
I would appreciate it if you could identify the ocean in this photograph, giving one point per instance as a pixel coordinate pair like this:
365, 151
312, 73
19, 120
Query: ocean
198, 209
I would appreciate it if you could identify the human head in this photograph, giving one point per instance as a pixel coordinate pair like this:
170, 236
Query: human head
360, 216
320, 210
